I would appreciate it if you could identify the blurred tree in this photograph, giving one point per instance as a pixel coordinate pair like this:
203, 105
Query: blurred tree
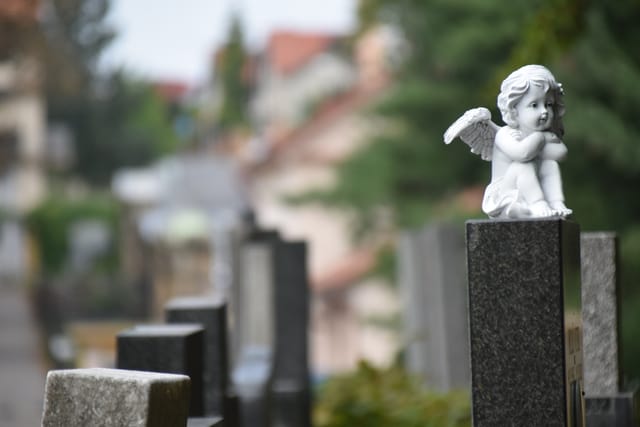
115, 120
50, 223
459, 52
234, 79
73, 35
125, 125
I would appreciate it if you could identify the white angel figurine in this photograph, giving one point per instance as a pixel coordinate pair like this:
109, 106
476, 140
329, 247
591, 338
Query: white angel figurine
524, 154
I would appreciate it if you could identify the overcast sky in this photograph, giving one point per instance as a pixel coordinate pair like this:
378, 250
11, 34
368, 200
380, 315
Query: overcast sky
174, 39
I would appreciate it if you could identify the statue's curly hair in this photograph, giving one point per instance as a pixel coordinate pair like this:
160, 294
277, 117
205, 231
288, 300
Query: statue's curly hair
516, 85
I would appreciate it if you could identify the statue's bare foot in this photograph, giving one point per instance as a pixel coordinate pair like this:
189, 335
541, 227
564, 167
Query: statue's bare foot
560, 209
541, 209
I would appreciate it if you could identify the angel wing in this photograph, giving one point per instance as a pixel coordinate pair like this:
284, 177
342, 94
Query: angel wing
477, 130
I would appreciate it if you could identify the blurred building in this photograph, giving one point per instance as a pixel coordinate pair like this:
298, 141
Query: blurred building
309, 105
172, 212
22, 134
308, 101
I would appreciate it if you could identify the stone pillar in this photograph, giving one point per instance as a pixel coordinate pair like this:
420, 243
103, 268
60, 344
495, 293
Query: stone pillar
606, 405
433, 288
290, 390
254, 318
524, 277
175, 349
111, 397
254, 326
211, 314
600, 313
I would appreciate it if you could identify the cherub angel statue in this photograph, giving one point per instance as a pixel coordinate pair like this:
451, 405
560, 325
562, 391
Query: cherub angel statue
524, 154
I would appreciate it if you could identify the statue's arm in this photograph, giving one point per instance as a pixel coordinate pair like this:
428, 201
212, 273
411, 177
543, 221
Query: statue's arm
522, 150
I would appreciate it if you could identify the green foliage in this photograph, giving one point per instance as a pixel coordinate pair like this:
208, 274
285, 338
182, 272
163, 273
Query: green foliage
125, 125
387, 397
50, 222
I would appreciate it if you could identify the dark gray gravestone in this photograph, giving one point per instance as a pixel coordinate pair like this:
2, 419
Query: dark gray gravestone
175, 349
523, 276
620, 410
251, 379
431, 269
291, 402
231, 416
290, 387
211, 314
109, 397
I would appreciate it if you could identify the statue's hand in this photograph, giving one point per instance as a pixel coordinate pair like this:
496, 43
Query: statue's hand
551, 137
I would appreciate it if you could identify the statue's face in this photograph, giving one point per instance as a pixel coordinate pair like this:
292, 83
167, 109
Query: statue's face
534, 112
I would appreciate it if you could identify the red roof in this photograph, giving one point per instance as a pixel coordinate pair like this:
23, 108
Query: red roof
171, 91
19, 10
289, 50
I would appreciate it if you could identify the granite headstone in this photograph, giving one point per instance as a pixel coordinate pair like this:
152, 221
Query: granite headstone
524, 277
100, 397
290, 388
176, 349
211, 314
600, 313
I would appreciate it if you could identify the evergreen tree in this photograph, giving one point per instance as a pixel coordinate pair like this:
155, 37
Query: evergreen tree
116, 121
234, 79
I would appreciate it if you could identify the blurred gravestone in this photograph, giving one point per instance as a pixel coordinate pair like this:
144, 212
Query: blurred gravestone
251, 382
110, 397
211, 313
600, 313
254, 326
290, 389
176, 349
431, 264
605, 404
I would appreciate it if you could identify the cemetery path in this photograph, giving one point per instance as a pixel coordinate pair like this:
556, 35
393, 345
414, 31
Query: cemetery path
22, 375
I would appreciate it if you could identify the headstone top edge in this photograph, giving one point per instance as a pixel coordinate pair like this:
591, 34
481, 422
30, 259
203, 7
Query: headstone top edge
172, 329
599, 234
516, 221
213, 301
117, 375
